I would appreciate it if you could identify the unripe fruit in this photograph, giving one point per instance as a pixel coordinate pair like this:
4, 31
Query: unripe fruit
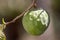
35, 22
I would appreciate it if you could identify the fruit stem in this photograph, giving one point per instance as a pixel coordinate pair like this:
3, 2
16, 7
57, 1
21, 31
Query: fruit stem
3, 21
32, 5
2, 26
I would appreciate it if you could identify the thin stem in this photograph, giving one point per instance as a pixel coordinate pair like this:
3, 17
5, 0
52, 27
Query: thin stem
33, 4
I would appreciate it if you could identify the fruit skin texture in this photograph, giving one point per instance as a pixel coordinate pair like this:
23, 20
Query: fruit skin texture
35, 22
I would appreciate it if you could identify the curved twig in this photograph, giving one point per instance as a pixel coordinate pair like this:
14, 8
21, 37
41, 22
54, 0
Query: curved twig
33, 3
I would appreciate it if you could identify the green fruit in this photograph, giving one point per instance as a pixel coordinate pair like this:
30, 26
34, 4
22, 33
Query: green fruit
35, 22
